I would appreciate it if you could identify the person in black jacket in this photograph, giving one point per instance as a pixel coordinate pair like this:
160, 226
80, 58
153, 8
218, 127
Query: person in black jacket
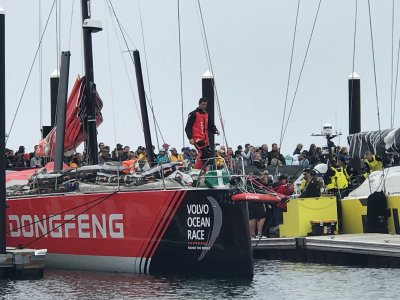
313, 188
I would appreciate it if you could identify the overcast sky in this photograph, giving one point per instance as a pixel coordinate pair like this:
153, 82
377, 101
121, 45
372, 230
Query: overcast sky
250, 44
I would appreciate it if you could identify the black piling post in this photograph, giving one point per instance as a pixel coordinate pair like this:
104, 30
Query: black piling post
355, 112
54, 80
208, 93
2, 135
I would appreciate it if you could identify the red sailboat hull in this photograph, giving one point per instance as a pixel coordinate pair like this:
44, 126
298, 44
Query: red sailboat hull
194, 231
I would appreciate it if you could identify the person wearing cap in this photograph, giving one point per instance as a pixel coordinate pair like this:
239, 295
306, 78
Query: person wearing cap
162, 157
312, 186
198, 127
165, 146
175, 156
186, 154
220, 159
104, 156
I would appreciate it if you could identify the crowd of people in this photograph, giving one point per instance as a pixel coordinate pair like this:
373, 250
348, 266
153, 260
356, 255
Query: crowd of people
248, 155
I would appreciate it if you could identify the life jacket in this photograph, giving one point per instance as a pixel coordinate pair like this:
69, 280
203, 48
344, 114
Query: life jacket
339, 180
200, 127
129, 166
177, 158
303, 185
374, 165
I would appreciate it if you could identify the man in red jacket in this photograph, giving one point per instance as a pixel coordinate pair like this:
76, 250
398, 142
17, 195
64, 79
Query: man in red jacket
197, 129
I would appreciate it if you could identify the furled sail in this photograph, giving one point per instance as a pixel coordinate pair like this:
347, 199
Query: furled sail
377, 142
75, 115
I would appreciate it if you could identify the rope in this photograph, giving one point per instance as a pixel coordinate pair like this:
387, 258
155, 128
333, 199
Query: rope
57, 38
70, 24
391, 71
180, 73
126, 69
110, 78
29, 73
354, 59
147, 72
290, 70
40, 69
302, 68
395, 87
122, 30
205, 42
373, 59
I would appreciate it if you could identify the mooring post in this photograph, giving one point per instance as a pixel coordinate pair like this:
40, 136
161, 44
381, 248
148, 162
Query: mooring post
355, 112
2, 135
208, 93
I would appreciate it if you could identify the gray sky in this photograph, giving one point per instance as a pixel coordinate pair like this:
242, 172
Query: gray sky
250, 44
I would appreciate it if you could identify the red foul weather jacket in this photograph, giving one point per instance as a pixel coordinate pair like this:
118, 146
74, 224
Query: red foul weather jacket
198, 125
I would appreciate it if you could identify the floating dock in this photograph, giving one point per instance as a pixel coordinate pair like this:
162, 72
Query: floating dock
22, 264
365, 249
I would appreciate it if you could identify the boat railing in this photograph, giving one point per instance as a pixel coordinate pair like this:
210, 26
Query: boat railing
163, 176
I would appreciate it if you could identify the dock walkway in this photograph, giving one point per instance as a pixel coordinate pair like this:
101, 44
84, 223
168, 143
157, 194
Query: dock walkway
22, 263
368, 249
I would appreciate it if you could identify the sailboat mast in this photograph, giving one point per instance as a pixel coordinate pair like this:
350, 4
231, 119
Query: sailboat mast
89, 126
143, 107
2, 135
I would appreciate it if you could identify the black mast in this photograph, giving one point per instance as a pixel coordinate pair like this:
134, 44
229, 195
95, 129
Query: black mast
2, 135
208, 93
143, 108
90, 88
62, 96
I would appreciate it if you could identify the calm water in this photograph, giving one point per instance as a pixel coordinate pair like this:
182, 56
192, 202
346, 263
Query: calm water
273, 280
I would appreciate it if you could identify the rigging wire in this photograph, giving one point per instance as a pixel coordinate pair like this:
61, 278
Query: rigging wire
180, 72
40, 69
391, 72
30, 72
354, 59
302, 68
57, 37
126, 68
373, 59
147, 72
395, 86
212, 72
70, 24
110, 78
290, 70
111, 7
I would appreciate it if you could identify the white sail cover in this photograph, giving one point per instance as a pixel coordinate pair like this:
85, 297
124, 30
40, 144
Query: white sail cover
387, 180
377, 142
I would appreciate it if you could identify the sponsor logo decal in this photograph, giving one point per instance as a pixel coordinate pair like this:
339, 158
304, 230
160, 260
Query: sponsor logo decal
83, 226
204, 222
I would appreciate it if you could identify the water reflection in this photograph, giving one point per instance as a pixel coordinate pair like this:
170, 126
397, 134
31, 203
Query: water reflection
273, 280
